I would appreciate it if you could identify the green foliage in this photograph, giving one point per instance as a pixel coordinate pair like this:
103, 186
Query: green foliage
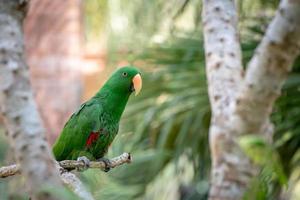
286, 117
176, 111
60, 193
265, 155
170, 119
3, 150
173, 115
260, 187
95, 18
3, 145
287, 127
166, 127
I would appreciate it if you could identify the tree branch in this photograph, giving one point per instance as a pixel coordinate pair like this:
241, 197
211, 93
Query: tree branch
114, 162
269, 68
243, 105
10, 170
71, 164
71, 181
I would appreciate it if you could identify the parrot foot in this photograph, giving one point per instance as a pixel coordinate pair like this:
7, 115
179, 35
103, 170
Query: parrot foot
107, 164
85, 161
62, 170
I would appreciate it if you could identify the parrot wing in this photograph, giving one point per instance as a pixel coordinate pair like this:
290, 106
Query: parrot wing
77, 131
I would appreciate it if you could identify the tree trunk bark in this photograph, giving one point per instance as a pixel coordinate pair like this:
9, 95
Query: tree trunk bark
18, 108
242, 104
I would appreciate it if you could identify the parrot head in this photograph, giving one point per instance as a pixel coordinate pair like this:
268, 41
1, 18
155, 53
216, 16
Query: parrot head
125, 80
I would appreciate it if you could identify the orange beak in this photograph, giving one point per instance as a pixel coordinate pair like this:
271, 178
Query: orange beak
137, 83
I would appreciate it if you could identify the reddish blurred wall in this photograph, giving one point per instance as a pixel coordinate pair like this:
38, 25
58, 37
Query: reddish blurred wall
53, 41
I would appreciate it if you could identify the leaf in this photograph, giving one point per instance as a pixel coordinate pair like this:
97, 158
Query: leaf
263, 154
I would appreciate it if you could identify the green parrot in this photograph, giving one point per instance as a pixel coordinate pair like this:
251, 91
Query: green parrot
92, 128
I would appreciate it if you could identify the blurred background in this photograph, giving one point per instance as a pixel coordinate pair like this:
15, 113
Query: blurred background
72, 46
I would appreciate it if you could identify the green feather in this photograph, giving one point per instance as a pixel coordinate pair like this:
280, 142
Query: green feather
101, 114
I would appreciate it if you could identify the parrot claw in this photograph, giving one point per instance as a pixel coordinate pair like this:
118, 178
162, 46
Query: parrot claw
85, 161
107, 164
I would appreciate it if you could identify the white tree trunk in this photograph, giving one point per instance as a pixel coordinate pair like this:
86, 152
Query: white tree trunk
242, 105
18, 108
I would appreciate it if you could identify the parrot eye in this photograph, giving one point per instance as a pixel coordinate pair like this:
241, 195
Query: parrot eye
124, 74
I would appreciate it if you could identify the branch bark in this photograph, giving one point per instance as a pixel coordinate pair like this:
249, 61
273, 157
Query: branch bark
242, 105
18, 108
71, 165
70, 180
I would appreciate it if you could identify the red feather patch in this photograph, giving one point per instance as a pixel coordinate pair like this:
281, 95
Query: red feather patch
92, 138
